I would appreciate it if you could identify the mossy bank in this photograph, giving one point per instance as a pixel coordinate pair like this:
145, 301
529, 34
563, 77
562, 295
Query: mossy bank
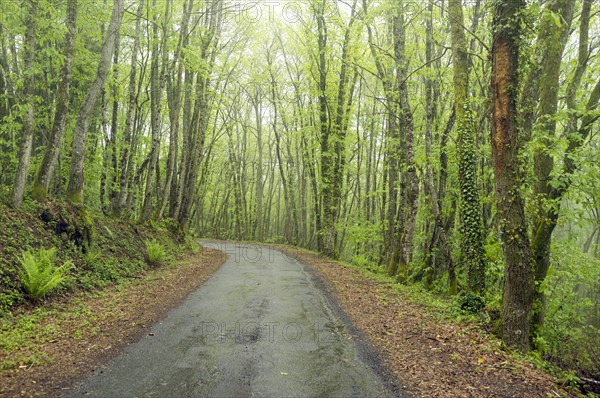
102, 250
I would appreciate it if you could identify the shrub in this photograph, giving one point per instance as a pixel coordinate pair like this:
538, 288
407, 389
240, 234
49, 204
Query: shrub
155, 253
39, 273
360, 260
193, 244
470, 302
570, 336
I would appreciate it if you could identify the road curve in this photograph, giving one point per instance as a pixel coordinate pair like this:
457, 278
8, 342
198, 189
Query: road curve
258, 328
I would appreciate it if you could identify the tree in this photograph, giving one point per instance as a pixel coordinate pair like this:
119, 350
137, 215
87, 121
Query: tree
333, 126
472, 252
401, 169
46, 171
76, 176
30, 101
547, 190
125, 163
199, 118
157, 80
404, 228
553, 43
518, 284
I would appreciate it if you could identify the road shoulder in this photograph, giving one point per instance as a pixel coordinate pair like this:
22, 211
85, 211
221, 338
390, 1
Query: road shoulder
86, 330
426, 357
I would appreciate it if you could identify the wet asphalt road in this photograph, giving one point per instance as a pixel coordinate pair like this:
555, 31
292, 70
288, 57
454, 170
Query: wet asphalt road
258, 328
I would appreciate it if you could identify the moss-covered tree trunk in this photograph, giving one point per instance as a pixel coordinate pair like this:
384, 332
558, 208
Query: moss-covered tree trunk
28, 119
76, 179
157, 80
174, 84
198, 124
404, 228
46, 171
553, 40
472, 252
332, 129
124, 162
518, 274
436, 248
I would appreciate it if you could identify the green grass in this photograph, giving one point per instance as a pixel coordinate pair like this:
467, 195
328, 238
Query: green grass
23, 336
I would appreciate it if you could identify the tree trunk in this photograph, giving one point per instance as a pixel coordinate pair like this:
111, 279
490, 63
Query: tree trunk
553, 42
345, 94
8, 102
389, 207
76, 177
258, 227
124, 164
188, 85
174, 100
201, 115
110, 148
327, 232
30, 43
472, 252
46, 170
518, 274
409, 182
156, 90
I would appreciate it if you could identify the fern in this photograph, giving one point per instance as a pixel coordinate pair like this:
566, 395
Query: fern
155, 253
39, 273
92, 256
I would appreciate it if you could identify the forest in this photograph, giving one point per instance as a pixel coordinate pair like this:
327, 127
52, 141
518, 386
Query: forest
450, 144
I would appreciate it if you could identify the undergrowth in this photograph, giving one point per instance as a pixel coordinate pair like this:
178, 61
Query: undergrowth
561, 348
466, 309
102, 251
155, 253
39, 273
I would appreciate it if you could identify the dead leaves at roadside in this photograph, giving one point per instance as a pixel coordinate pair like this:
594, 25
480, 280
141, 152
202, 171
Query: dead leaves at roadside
435, 359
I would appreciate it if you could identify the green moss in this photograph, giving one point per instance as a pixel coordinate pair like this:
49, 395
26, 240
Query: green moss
38, 192
75, 198
103, 250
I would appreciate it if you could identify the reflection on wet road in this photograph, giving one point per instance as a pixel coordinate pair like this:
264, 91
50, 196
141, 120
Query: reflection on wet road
257, 328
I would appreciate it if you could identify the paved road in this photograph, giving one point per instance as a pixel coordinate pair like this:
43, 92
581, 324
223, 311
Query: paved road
258, 328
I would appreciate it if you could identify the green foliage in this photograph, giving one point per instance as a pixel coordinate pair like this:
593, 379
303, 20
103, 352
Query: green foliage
156, 254
362, 237
472, 251
22, 337
192, 244
117, 253
39, 273
470, 302
9, 298
107, 271
360, 260
571, 333
109, 232
92, 256
495, 264
100, 271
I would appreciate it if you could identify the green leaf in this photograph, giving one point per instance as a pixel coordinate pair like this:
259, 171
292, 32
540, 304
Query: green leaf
555, 18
